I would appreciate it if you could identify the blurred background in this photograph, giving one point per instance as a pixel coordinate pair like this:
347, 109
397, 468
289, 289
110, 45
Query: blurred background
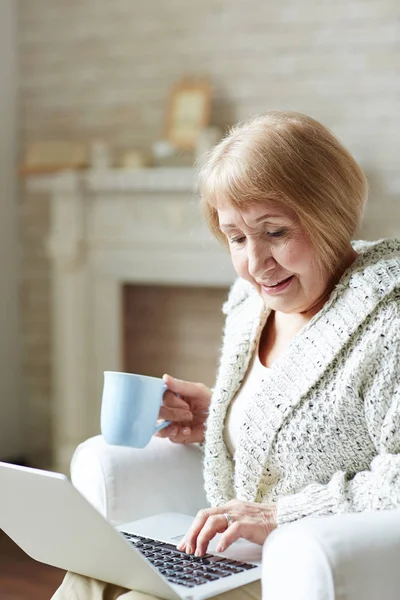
97, 89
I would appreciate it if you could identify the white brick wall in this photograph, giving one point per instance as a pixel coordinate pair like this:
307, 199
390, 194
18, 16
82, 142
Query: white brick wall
97, 68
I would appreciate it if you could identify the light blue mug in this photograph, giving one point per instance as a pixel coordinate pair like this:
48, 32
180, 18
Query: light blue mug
130, 407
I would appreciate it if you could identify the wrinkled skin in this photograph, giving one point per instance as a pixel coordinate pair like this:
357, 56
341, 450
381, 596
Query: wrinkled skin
251, 521
186, 405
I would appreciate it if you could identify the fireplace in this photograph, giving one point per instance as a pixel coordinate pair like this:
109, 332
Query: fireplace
172, 329
129, 250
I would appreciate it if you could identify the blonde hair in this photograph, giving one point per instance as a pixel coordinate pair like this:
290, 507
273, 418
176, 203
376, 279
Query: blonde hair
290, 160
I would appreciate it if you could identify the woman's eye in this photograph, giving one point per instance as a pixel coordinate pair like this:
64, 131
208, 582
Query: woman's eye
276, 234
237, 240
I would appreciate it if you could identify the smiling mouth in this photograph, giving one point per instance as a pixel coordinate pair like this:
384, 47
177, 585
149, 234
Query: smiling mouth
273, 285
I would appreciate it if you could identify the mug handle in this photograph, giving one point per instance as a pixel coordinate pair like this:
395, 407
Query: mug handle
162, 425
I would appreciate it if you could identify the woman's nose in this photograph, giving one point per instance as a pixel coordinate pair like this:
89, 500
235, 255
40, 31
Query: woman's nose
259, 260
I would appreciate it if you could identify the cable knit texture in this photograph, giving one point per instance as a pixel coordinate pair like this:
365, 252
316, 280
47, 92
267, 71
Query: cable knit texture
330, 438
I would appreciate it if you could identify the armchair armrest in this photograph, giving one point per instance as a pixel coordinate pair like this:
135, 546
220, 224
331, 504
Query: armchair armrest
126, 484
353, 556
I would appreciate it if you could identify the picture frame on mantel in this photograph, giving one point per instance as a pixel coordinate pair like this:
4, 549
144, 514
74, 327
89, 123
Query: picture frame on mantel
188, 112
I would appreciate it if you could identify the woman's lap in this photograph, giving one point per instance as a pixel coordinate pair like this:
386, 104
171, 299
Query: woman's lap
77, 587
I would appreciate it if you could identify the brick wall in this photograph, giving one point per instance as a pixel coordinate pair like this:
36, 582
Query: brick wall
94, 68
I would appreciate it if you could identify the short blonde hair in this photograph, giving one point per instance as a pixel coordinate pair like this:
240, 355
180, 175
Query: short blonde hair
290, 160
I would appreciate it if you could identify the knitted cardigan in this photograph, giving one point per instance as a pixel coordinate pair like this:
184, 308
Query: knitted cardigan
322, 436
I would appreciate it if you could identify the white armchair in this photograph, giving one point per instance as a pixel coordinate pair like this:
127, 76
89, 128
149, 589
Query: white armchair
344, 557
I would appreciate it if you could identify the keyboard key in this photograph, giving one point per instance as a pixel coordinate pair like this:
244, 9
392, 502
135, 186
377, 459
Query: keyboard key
185, 569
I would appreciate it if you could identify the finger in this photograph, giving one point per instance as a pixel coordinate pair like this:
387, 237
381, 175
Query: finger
180, 386
188, 543
214, 524
174, 408
167, 432
182, 435
236, 530
171, 400
189, 435
175, 433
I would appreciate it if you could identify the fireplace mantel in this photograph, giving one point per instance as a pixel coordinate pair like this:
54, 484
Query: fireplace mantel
109, 228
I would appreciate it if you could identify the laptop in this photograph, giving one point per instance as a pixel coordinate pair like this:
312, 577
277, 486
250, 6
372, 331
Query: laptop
53, 523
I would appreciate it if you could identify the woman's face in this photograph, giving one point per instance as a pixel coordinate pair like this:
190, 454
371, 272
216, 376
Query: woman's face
269, 250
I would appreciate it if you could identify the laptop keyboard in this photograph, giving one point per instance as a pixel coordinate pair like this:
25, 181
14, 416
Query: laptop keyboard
185, 569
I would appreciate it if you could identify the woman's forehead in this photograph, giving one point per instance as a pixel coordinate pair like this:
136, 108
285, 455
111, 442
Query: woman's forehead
228, 214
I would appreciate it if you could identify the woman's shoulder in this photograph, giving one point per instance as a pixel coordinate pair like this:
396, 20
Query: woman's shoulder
366, 300
239, 292
377, 268
377, 251
375, 279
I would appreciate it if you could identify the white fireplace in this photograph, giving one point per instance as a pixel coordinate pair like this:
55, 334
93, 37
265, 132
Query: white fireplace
109, 229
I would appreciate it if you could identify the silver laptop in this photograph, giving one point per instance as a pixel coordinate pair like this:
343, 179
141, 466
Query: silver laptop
53, 523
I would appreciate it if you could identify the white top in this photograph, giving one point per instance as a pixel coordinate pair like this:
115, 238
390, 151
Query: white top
255, 378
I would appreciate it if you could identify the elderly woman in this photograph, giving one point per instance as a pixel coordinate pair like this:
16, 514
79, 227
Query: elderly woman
304, 418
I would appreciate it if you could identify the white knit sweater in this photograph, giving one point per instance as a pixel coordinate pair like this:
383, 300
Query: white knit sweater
330, 439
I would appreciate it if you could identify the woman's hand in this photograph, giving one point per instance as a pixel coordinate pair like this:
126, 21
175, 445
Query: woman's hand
249, 520
186, 405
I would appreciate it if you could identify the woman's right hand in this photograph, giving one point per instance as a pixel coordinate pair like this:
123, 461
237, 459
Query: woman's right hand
186, 405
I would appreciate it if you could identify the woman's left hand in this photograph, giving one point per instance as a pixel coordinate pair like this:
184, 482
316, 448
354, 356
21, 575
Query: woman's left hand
249, 520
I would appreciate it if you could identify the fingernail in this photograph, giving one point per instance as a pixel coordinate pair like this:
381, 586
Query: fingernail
174, 431
189, 550
220, 548
186, 431
187, 417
